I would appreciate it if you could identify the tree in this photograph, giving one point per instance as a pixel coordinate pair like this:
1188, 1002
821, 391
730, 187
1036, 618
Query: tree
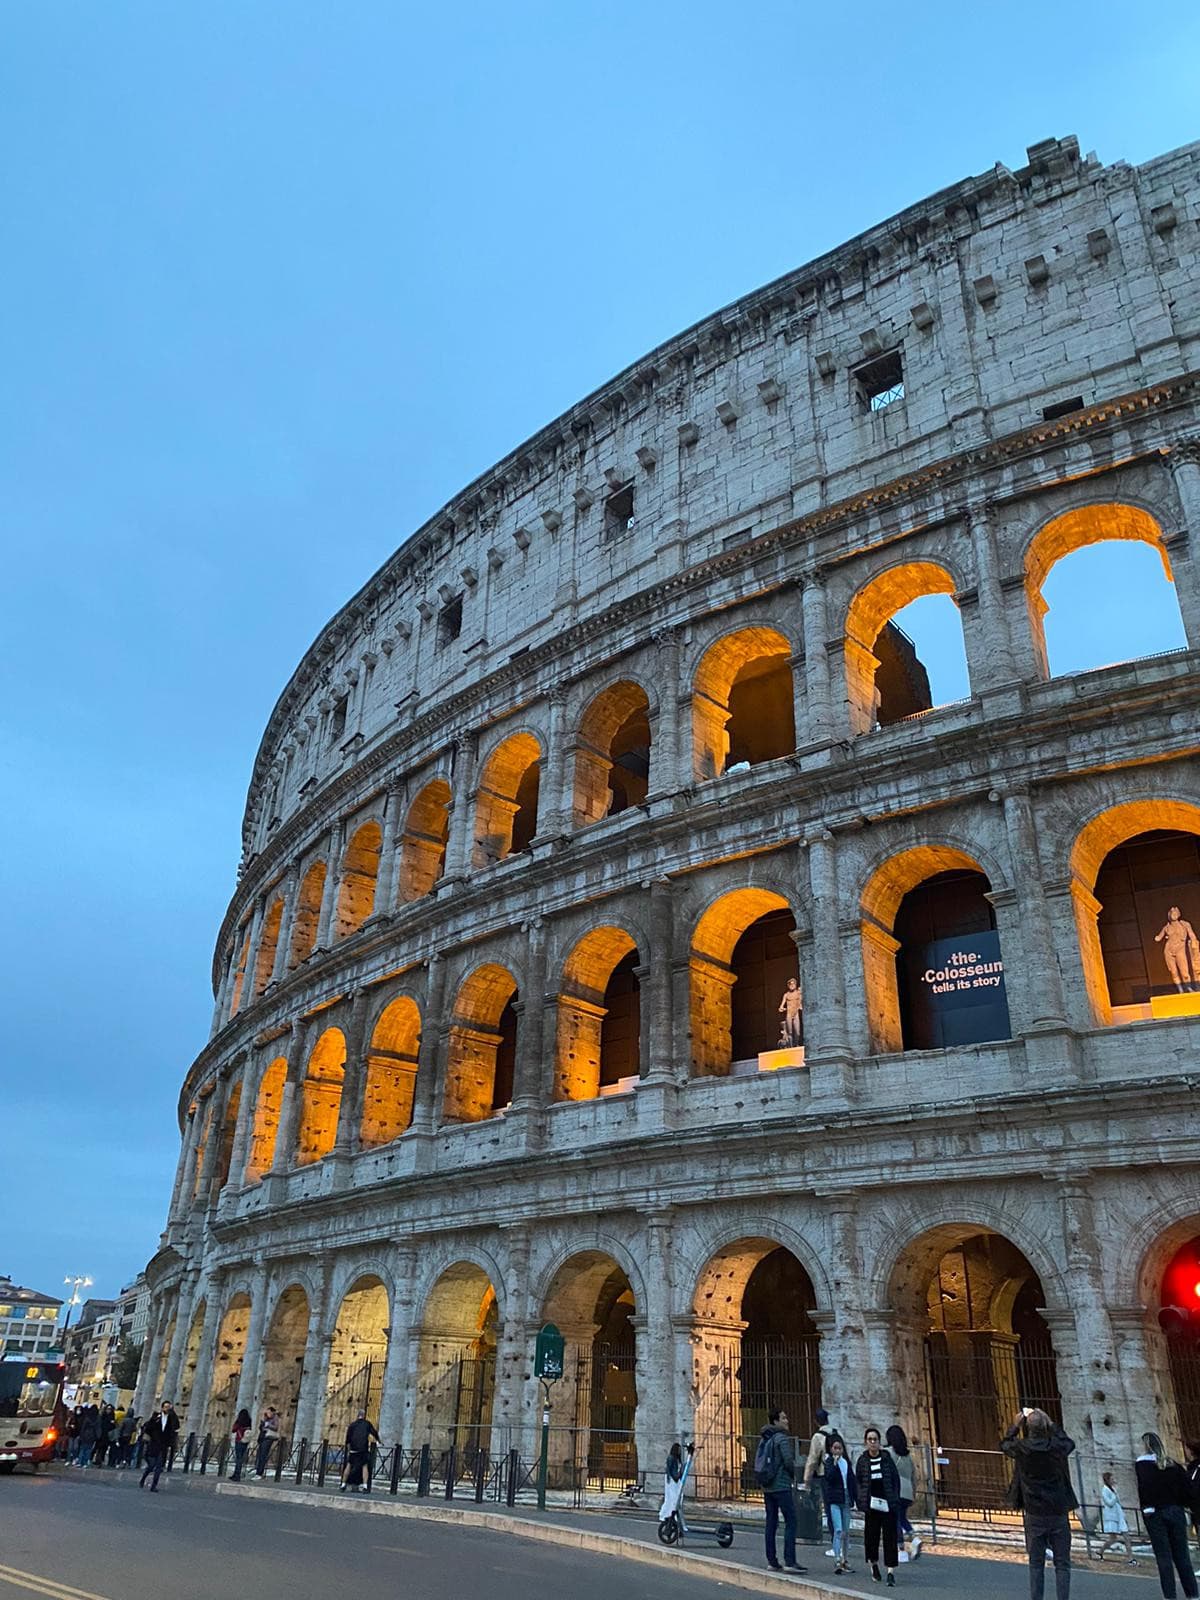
125, 1364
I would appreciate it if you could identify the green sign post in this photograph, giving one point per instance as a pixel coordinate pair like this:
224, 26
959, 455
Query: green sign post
548, 1366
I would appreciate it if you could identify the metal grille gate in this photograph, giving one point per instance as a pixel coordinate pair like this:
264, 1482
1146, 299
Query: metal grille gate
605, 1413
1184, 1357
763, 1375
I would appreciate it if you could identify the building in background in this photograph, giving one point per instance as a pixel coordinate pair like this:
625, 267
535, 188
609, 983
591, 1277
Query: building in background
92, 1342
28, 1320
133, 1311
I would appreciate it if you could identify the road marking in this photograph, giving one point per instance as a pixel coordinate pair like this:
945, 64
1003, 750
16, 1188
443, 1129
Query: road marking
403, 1550
211, 1516
298, 1533
40, 1585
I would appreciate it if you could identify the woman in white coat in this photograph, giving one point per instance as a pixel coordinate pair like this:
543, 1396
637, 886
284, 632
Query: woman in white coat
1112, 1520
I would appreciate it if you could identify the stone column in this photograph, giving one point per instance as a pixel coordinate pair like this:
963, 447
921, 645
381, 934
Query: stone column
554, 803
144, 1396
248, 1378
252, 949
315, 1368
289, 889
992, 662
660, 1062
461, 835
817, 728
513, 1412
827, 1046
210, 1177
397, 1366
432, 1050
1183, 459
291, 1101
1043, 978
655, 1421
394, 807
532, 1077
251, 1072
184, 1310
666, 766
354, 1080
185, 1171
1149, 1396
202, 1377
333, 882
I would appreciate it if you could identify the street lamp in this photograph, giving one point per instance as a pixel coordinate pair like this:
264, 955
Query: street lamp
78, 1282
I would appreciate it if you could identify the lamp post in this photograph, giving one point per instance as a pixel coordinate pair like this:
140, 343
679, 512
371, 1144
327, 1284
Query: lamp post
80, 1281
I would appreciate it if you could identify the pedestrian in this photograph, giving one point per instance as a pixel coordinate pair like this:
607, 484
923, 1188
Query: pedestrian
1113, 1524
241, 1442
358, 1454
89, 1432
775, 1469
126, 1434
1163, 1495
878, 1485
840, 1492
158, 1442
73, 1424
673, 1481
268, 1433
1042, 1492
897, 1448
1192, 1469
814, 1462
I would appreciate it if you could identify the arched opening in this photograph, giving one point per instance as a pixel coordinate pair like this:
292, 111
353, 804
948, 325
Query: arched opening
239, 977
1179, 1317
391, 1073
283, 1356
932, 962
205, 1112
266, 1120
357, 1355
599, 1018
590, 1300
456, 1364
423, 843
746, 1002
483, 1046
227, 1366
1135, 882
971, 1340
321, 1098
756, 1348
268, 944
887, 676
507, 801
612, 754
1099, 588
191, 1355
360, 873
308, 913
742, 703
228, 1130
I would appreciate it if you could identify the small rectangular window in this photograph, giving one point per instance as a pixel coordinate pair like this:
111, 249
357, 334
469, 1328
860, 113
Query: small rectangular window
450, 621
1062, 409
879, 382
618, 511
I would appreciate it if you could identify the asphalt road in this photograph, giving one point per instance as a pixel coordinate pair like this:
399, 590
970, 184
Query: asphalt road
97, 1537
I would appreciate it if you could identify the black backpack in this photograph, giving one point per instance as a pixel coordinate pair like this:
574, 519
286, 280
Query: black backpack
767, 1459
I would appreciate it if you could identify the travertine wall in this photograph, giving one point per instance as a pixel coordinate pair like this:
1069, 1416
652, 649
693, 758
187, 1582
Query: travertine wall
776, 520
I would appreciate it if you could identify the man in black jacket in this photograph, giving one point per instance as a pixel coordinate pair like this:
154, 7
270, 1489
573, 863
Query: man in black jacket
159, 1436
358, 1454
1042, 1492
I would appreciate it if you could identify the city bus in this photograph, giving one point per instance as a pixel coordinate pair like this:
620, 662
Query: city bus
31, 1408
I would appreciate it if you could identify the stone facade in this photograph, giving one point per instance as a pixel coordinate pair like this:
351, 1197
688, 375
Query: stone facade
618, 702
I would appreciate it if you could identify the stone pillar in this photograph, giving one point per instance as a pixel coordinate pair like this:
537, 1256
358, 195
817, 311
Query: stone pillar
289, 889
666, 766
394, 807
315, 1367
460, 838
248, 1379
817, 728
827, 1046
202, 1377
1147, 1390
252, 949
144, 1396
655, 1422
210, 1177
354, 1080
990, 657
532, 1075
251, 1072
1183, 459
397, 1367
660, 1062
184, 1310
554, 790
432, 1052
333, 883
185, 1171
1039, 957
284, 1156
513, 1412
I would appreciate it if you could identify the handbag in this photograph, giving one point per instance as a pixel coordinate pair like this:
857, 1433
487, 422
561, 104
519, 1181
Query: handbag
878, 1503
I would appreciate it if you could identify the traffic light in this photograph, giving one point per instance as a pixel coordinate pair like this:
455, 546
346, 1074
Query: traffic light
1181, 1322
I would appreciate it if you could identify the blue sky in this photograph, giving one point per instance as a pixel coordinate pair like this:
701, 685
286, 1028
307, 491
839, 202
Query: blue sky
280, 278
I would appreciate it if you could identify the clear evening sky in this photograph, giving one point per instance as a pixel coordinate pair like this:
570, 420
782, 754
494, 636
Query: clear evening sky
279, 278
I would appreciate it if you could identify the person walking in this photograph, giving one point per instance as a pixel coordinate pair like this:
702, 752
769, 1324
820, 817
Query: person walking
1042, 1492
89, 1432
158, 1439
814, 1462
1163, 1495
358, 1454
840, 1491
268, 1432
1192, 1470
775, 1469
126, 1434
1113, 1523
897, 1448
240, 1434
878, 1485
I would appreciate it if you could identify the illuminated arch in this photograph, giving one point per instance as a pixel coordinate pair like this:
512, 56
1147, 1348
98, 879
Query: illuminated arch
742, 702
588, 1057
612, 753
482, 1045
357, 1353
423, 843
869, 614
283, 1354
391, 1072
360, 873
506, 804
308, 913
321, 1097
267, 1107
455, 1373
268, 943
239, 976
227, 1366
712, 976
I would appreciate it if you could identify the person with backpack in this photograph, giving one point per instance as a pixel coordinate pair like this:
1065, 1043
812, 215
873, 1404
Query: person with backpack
814, 1465
775, 1471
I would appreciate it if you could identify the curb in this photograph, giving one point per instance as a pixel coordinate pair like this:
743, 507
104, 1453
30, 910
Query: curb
732, 1573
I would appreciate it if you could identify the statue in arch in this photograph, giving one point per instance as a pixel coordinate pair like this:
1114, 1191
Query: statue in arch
791, 1009
1179, 941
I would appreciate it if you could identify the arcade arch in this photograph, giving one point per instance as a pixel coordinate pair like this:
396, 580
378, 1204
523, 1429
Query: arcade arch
599, 1017
360, 873
885, 679
268, 944
227, 1367
1179, 1319
239, 977
391, 1073
228, 1131
506, 804
321, 1097
423, 842
191, 1355
742, 957
267, 1107
612, 754
742, 702
283, 1355
357, 1354
482, 1047
456, 1361
591, 1301
308, 913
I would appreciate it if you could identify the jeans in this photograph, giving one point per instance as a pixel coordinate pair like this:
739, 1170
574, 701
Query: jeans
874, 1524
264, 1454
1167, 1527
1049, 1531
903, 1525
84, 1455
780, 1502
840, 1518
154, 1465
241, 1448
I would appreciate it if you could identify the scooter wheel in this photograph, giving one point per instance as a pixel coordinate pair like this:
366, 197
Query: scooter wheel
668, 1530
725, 1534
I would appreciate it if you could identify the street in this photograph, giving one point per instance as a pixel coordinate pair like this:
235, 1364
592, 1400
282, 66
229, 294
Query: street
96, 1537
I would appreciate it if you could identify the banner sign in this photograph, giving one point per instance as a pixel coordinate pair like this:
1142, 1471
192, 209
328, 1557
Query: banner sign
956, 991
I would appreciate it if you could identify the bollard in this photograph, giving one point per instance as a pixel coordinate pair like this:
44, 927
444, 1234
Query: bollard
300, 1461
279, 1444
394, 1486
322, 1463
424, 1471
481, 1467
451, 1462
204, 1449
514, 1473
188, 1451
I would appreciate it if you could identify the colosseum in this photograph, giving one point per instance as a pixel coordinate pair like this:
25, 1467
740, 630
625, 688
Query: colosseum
624, 939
